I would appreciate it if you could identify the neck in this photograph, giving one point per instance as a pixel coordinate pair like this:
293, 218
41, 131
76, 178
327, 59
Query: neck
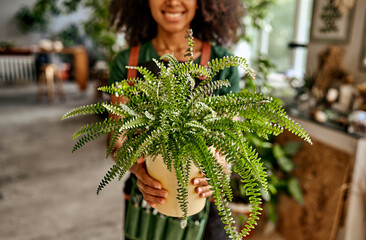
176, 43
170, 41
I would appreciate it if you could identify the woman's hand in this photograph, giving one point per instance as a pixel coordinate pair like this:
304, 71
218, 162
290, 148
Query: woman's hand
150, 188
203, 189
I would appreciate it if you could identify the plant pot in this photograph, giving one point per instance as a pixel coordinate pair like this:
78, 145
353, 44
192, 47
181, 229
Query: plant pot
159, 171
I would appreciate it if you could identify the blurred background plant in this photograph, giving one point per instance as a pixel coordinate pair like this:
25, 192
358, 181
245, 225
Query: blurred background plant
256, 13
37, 18
6, 44
93, 32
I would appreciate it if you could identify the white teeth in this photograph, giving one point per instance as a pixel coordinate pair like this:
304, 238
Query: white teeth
172, 15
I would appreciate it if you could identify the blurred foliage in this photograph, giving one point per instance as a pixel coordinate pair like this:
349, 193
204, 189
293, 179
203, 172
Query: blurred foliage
254, 21
6, 44
71, 5
256, 14
97, 27
70, 36
38, 18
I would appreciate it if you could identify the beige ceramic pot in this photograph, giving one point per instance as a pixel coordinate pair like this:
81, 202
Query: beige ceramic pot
159, 171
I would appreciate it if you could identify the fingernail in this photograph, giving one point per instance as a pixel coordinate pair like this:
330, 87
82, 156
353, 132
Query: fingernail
199, 190
162, 202
196, 182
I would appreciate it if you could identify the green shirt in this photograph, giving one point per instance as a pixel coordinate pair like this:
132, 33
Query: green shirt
147, 53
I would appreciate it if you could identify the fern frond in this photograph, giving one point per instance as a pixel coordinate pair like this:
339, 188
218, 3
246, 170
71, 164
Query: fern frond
252, 162
120, 109
194, 69
133, 123
146, 73
112, 142
94, 127
235, 155
208, 88
149, 88
144, 147
235, 103
196, 125
94, 131
111, 174
182, 170
217, 65
90, 109
165, 151
172, 61
202, 108
260, 127
214, 173
272, 112
122, 88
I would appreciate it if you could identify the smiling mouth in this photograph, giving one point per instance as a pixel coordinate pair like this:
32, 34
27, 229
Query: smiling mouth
173, 16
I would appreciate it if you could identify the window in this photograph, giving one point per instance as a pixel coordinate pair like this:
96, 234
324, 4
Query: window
288, 23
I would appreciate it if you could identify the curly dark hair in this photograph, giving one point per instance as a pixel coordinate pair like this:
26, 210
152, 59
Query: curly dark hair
216, 21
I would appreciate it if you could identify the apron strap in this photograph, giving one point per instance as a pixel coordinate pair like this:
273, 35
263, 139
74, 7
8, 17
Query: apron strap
133, 61
205, 54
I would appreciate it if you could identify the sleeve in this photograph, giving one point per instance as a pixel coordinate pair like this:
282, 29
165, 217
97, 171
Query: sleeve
118, 70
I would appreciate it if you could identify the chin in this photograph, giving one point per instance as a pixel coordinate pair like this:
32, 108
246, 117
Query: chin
175, 29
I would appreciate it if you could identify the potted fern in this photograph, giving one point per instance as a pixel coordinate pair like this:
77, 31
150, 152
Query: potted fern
180, 124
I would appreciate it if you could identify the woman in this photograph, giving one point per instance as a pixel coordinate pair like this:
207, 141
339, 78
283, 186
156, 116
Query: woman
159, 27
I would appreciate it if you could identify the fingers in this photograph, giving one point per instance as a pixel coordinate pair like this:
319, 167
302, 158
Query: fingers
200, 181
158, 193
151, 195
150, 188
203, 189
139, 169
142, 175
140, 160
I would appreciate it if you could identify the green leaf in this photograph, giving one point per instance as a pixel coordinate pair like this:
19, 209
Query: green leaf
291, 148
294, 190
272, 189
271, 211
283, 161
286, 164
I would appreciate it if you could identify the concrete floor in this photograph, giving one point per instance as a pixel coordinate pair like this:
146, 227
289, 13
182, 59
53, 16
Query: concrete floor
45, 191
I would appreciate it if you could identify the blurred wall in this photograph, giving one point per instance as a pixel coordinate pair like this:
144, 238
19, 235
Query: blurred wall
353, 47
9, 31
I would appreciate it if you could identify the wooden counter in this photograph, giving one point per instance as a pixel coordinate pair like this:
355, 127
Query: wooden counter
332, 173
